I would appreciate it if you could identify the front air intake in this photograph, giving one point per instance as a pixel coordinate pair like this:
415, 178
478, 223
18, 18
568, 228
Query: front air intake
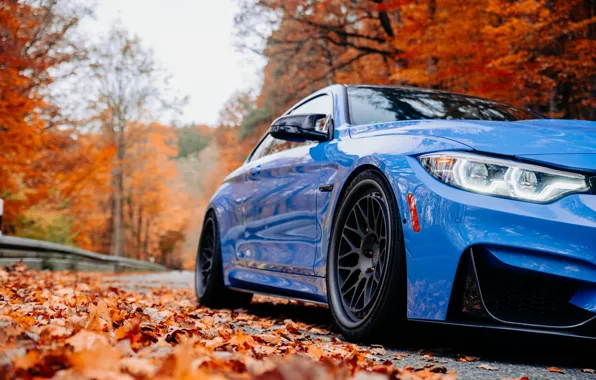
508, 295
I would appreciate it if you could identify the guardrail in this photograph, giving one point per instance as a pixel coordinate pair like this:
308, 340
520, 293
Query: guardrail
38, 254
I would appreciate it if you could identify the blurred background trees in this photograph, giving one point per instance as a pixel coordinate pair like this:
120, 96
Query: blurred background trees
83, 160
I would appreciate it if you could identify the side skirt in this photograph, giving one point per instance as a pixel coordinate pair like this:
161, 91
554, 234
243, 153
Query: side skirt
279, 284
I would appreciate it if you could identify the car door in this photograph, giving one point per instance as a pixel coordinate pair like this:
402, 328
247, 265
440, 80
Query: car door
280, 229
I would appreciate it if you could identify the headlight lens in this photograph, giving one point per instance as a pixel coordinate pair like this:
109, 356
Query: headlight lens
503, 178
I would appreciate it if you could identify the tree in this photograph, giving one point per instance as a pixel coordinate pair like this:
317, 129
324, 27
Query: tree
35, 39
310, 43
126, 84
192, 139
535, 53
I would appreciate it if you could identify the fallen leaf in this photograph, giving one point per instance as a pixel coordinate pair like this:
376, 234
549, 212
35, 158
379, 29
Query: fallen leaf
315, 352
86, 340
291, 326
27, 361
467, 359
269, 338
555, 370
242, 341
138, 367
487, 367
215, 342
378, 351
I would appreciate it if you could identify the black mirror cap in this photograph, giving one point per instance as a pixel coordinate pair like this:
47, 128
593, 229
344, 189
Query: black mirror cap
299, 128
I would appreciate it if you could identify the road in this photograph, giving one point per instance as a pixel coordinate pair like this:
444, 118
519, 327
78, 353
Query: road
503, 355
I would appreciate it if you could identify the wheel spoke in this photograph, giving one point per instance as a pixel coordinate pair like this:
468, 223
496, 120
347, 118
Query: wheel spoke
370, 213
360, 293
346, 291
364, 219
367, 292
355, 294
353, 248
349, 268
377, 218
354, 230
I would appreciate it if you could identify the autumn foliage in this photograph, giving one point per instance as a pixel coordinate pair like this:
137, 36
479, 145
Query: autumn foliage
64, 326
533, 53
57, 169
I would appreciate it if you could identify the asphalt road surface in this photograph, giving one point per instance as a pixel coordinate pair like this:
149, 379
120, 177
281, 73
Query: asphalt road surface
502, 354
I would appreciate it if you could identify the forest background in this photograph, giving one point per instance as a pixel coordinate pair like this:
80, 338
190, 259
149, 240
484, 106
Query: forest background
85, 162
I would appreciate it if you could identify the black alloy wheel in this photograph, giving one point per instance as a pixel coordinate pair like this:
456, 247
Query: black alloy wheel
362, 255
366, 263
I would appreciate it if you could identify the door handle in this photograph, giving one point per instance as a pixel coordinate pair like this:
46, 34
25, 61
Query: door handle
255, 171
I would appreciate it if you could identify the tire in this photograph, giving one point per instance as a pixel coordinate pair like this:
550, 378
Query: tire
209, 284
367, 260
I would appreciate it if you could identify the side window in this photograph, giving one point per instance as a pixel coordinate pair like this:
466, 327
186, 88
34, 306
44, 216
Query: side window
263, 148
281, 145
320, 104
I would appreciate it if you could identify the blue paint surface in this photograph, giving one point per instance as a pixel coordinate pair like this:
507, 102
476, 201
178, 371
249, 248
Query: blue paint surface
275, 226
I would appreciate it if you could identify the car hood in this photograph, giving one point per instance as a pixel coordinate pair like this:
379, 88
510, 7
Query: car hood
528, 137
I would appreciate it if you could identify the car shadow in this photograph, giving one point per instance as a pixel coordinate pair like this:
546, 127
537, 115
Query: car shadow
514, 347
280, 310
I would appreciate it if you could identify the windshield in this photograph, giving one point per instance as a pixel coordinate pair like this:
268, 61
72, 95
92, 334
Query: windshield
370, 105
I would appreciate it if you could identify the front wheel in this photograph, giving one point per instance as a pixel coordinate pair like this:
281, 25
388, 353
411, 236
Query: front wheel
209, 284
366, 276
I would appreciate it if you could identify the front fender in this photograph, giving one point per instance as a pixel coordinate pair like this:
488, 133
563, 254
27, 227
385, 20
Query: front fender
388, 154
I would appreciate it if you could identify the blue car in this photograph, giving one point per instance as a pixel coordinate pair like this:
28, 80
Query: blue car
392, 204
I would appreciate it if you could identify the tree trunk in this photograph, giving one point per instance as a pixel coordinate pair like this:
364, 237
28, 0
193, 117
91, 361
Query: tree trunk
117, 206
139, 231
146, 243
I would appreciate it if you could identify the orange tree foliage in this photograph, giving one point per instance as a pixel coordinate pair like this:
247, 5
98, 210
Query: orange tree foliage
56, 178
155, 203
538, 53
43, 169
21, 128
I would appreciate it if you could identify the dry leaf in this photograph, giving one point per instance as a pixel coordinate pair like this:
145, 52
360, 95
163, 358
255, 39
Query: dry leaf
467, 359
555, 370
487, 367
315, 352
158, 333
86, 340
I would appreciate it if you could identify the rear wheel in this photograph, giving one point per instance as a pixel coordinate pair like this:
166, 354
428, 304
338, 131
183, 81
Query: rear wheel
366, 277
209, 285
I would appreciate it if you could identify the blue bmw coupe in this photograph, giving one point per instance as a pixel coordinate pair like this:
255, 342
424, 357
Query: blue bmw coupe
391, 204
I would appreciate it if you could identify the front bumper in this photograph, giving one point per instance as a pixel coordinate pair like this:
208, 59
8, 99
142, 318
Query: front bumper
555, 242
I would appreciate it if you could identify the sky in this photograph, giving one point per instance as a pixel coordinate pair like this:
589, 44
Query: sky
193, 40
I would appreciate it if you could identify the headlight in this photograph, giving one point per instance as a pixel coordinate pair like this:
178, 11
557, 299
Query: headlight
502, 178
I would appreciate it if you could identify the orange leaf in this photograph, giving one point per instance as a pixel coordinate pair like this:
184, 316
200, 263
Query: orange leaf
315, 352
555, 370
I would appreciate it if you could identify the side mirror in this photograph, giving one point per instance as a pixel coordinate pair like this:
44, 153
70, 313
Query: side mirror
301, 127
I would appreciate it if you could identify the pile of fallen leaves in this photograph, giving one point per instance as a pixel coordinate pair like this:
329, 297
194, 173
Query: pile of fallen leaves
67, 325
